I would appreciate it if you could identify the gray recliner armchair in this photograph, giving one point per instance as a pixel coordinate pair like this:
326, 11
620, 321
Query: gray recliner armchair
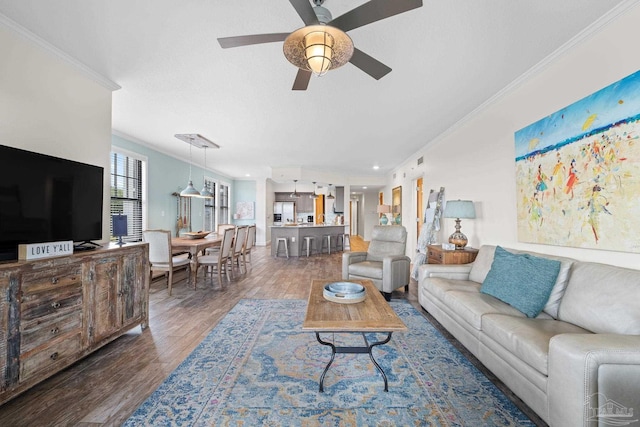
385, 263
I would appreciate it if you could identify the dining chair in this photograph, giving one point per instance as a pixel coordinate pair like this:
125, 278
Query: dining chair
222, 227
250, 242
220, 231
161, 258
239, 241
220, 259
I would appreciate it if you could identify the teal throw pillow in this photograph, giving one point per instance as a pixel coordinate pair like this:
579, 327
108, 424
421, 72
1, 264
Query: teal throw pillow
521, 280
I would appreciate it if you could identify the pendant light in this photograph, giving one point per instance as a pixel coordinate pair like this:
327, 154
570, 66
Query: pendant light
330, 196
314, 195
189, 190
205, 193
295, 194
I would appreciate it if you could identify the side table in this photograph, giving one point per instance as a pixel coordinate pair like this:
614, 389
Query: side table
437, 255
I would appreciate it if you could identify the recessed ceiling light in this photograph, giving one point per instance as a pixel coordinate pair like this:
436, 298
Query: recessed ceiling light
364, 188
247, 174
376, 167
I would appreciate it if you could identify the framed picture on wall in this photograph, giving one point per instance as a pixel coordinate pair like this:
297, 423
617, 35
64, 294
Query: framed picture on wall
244, 210
396, 204
578, 172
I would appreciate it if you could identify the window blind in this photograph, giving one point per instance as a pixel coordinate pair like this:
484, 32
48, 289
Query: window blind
126, 194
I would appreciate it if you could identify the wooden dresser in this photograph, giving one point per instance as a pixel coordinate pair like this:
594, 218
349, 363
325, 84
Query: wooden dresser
437, 255
55, 311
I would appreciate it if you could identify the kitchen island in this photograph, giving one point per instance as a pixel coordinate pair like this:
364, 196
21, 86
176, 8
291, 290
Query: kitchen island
295, 235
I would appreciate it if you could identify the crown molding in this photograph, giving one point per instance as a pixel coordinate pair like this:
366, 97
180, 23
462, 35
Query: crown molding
51, 49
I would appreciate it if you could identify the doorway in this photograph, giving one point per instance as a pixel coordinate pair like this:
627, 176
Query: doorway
320, 209
353, 217
419, 207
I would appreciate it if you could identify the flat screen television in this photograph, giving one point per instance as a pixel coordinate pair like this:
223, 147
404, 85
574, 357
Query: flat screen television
47, 199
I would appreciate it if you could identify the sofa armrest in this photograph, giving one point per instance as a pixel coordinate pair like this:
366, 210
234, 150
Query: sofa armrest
445, 271
588, 370
396, 271
350, 258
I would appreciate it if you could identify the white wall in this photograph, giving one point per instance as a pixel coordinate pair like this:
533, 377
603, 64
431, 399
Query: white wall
48, 106
477, 160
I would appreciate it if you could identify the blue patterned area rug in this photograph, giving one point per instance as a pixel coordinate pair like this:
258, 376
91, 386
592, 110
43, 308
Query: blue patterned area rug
257, 367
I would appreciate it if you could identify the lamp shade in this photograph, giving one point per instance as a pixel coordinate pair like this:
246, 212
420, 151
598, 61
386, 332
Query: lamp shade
460, 209
384, 209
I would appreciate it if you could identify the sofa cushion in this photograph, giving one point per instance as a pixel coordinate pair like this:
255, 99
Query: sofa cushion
602, 298
523, 281
527, 339
439, 286
557, 292
471, 306
371, 269
482, 263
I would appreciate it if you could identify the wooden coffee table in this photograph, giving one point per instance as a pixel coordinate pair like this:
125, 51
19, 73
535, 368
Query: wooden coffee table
373, 315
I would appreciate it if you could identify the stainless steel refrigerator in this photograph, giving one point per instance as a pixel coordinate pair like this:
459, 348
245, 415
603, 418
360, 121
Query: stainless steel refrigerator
284, 212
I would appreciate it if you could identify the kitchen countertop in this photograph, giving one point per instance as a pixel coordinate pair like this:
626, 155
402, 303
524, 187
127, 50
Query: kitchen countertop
305, 225
295, 235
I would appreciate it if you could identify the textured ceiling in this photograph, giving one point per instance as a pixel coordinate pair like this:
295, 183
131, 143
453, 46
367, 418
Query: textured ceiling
448, 57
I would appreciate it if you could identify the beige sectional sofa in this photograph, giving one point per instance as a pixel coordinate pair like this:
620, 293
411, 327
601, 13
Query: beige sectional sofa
577, 363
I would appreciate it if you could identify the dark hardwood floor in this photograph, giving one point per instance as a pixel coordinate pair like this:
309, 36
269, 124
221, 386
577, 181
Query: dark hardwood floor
107, 386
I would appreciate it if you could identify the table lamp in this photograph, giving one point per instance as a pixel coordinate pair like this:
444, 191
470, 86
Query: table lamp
385, 210
459, 209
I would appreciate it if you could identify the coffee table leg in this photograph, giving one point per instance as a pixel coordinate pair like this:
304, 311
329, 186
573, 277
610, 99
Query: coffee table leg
370, 346
354, 350
333, 356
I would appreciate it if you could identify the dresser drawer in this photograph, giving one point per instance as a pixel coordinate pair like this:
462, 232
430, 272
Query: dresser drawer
50, 304
434, 256
38, 332
49, 279
51, 358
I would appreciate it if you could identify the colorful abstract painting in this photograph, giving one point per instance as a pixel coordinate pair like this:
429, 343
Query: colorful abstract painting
578, 172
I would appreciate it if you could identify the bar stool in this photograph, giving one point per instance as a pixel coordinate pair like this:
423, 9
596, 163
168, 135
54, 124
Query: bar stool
341, 239
307, 242
326, 238
286, 246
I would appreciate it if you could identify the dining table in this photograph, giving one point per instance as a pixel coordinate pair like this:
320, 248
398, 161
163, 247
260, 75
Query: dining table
195, 247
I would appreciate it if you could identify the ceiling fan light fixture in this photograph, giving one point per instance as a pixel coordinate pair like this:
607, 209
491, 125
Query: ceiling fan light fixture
318, 51
318, 48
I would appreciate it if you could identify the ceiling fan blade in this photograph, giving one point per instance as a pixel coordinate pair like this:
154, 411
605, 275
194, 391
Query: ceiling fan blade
302, 80
304, 9
369, 65
227, 42
373, 11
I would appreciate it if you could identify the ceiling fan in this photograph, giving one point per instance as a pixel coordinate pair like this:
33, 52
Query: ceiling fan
322, 44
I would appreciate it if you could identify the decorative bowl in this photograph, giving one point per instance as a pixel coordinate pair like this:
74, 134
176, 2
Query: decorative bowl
196, 234
344, 292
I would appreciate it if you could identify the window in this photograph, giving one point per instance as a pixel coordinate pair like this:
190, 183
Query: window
216, 210
210, 208
223, 214
127, 193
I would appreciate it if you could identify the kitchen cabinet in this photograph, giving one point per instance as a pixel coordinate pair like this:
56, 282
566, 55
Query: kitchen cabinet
56, 311
283, 197
305, 204
339, 205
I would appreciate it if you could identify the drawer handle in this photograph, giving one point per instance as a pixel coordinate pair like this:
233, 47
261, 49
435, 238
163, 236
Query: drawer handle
55, 304
54, 356
55, 331
54, 280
